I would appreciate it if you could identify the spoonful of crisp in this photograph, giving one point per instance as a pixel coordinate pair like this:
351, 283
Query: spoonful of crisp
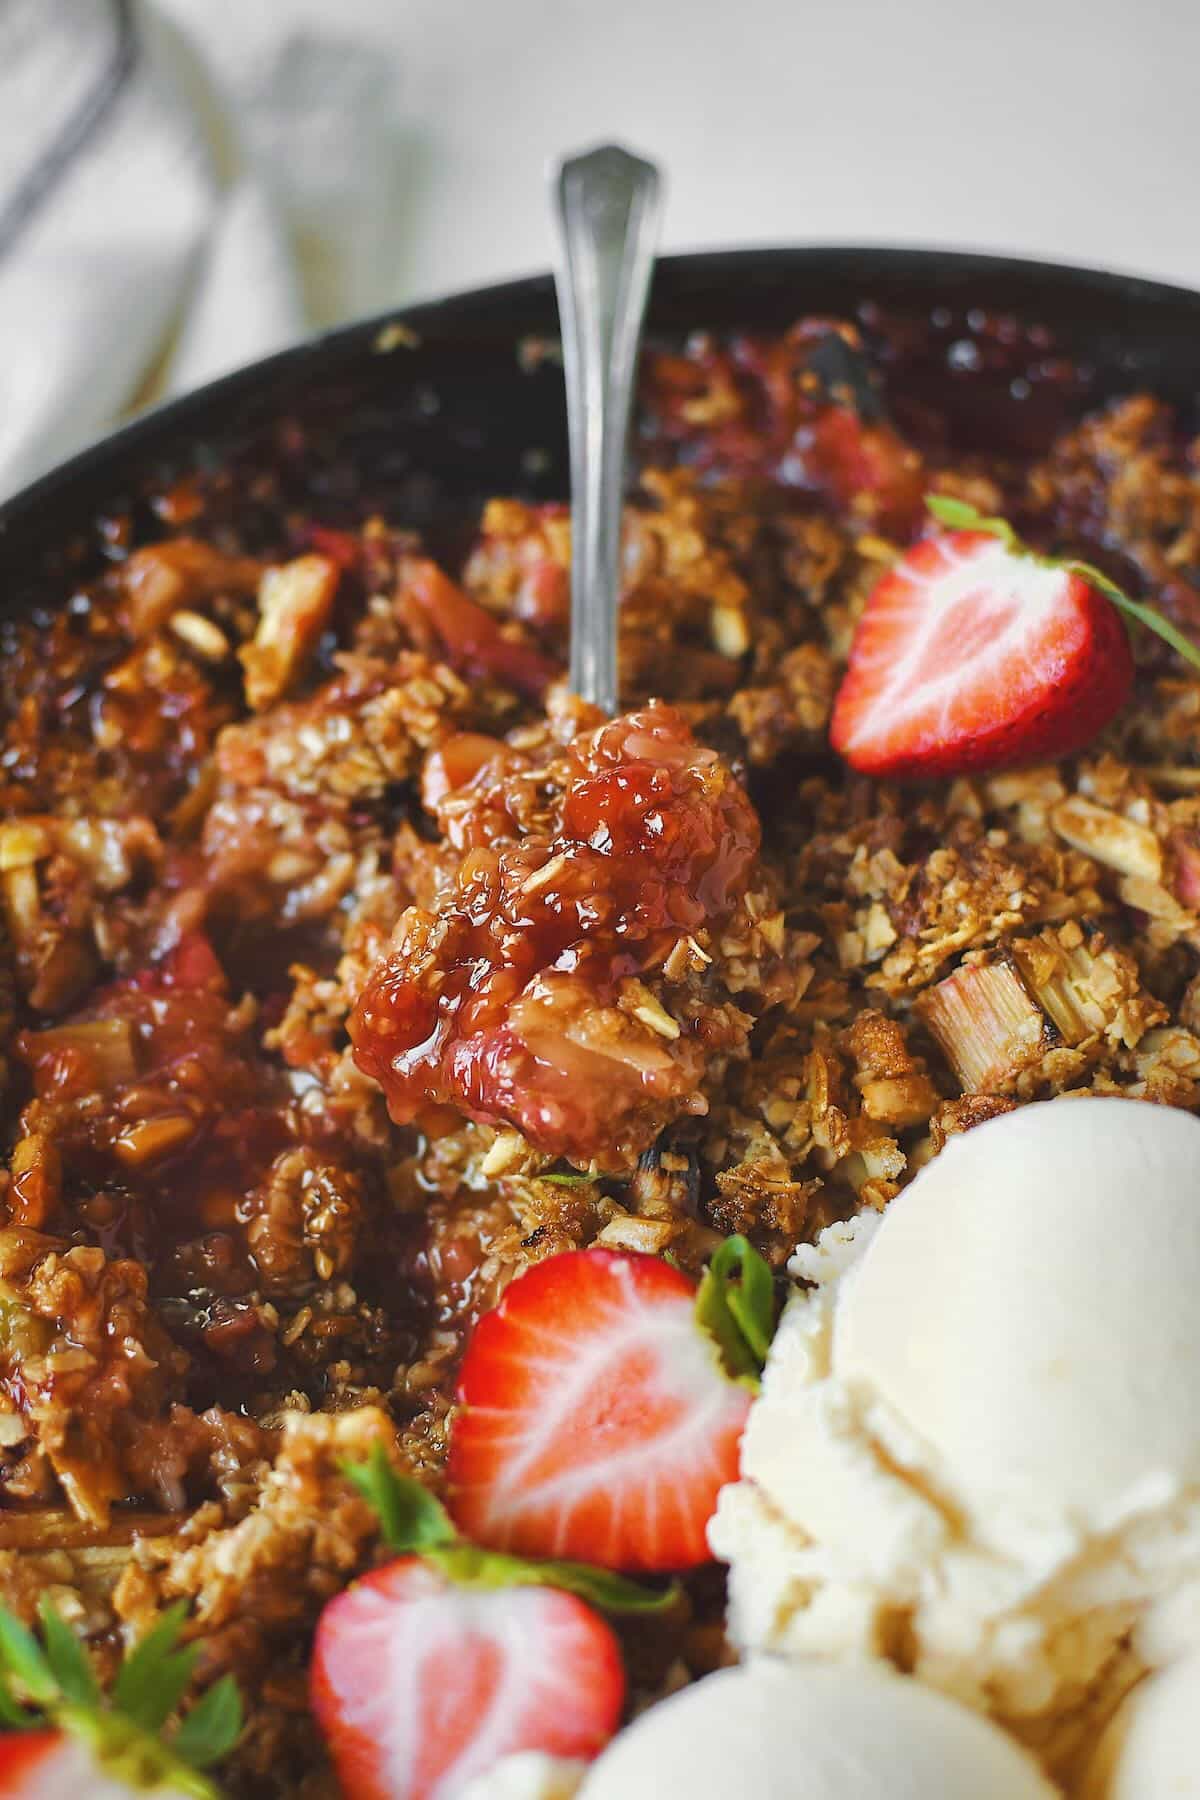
607, 210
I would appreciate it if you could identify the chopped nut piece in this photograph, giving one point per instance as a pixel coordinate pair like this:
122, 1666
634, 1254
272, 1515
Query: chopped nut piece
729, 631
201, 635
506, 1154
895, 1089
899, 1100
642, 1005
34, 1189
957, 1116
1152, 898
294, 603
22, 903
1183, 780
22, 844
1115, 841
152, 1138
650, 1236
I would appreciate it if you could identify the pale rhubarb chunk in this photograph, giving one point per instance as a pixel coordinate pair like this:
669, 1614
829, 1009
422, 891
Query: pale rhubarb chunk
1085, 987
987, 1023
1002, 1014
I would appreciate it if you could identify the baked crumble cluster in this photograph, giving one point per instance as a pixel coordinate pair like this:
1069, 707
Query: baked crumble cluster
300, 825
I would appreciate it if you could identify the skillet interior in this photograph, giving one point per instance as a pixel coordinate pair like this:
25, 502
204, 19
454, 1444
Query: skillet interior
435, 406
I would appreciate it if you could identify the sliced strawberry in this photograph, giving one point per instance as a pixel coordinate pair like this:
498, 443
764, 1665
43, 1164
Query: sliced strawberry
50, 1765
30, 1762
973, 655
419, 1684
596, 1420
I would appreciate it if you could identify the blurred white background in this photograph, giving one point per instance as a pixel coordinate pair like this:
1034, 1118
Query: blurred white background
265, 167
1057, 127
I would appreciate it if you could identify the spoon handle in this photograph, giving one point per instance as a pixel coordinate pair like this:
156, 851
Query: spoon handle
606, 207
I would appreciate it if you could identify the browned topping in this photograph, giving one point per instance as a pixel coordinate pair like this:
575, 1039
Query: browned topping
274, 761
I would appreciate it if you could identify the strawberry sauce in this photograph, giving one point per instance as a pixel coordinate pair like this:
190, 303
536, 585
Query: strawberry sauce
504, 1003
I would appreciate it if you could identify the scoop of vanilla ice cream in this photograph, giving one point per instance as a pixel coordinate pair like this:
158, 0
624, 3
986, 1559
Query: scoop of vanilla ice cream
1151, 1749
812, 1731
978, 1441
527, 1775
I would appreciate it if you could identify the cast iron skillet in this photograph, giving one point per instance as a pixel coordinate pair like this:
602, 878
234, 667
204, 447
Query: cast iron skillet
439, 405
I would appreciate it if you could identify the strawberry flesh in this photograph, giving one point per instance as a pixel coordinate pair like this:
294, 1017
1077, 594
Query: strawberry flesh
969, 656
596, 1423
420, 1685
50, 1765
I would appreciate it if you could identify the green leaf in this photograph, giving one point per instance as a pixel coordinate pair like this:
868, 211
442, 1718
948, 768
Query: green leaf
574, 1179
471, 1567
603, 1588
21, 1659
13, 1716
960, 515
413, 1519
67, 1658
154, 1677
736, 1306
212, 1727
1148, 616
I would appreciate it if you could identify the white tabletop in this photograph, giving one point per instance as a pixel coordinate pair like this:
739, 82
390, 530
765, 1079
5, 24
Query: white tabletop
1064, 128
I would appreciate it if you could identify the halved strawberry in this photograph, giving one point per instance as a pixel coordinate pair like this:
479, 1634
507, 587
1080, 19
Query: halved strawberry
597, 1421
51, 1765
973, 654
419, 1683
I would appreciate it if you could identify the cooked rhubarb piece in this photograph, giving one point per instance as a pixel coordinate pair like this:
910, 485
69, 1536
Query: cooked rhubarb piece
996, 1018
471, 638
987, 1023
522, 998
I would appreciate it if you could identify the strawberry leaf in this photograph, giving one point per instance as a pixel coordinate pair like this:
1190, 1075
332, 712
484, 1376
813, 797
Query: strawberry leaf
415, 1523
154, 1677
1148, 616
960, 515
67, 1658
21, 1660
602, 1588
736, 1306
413, 1520
122, 1729
13, 1716
212, 1727
470, 1567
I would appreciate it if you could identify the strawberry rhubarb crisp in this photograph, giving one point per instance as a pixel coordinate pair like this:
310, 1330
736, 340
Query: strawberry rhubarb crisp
416, 1083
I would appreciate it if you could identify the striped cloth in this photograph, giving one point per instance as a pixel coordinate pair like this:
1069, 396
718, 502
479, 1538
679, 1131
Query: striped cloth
159, 226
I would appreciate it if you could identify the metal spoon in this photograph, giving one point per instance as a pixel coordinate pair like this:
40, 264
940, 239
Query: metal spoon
606, 210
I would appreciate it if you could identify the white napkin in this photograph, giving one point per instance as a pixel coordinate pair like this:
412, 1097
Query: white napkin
158, 226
